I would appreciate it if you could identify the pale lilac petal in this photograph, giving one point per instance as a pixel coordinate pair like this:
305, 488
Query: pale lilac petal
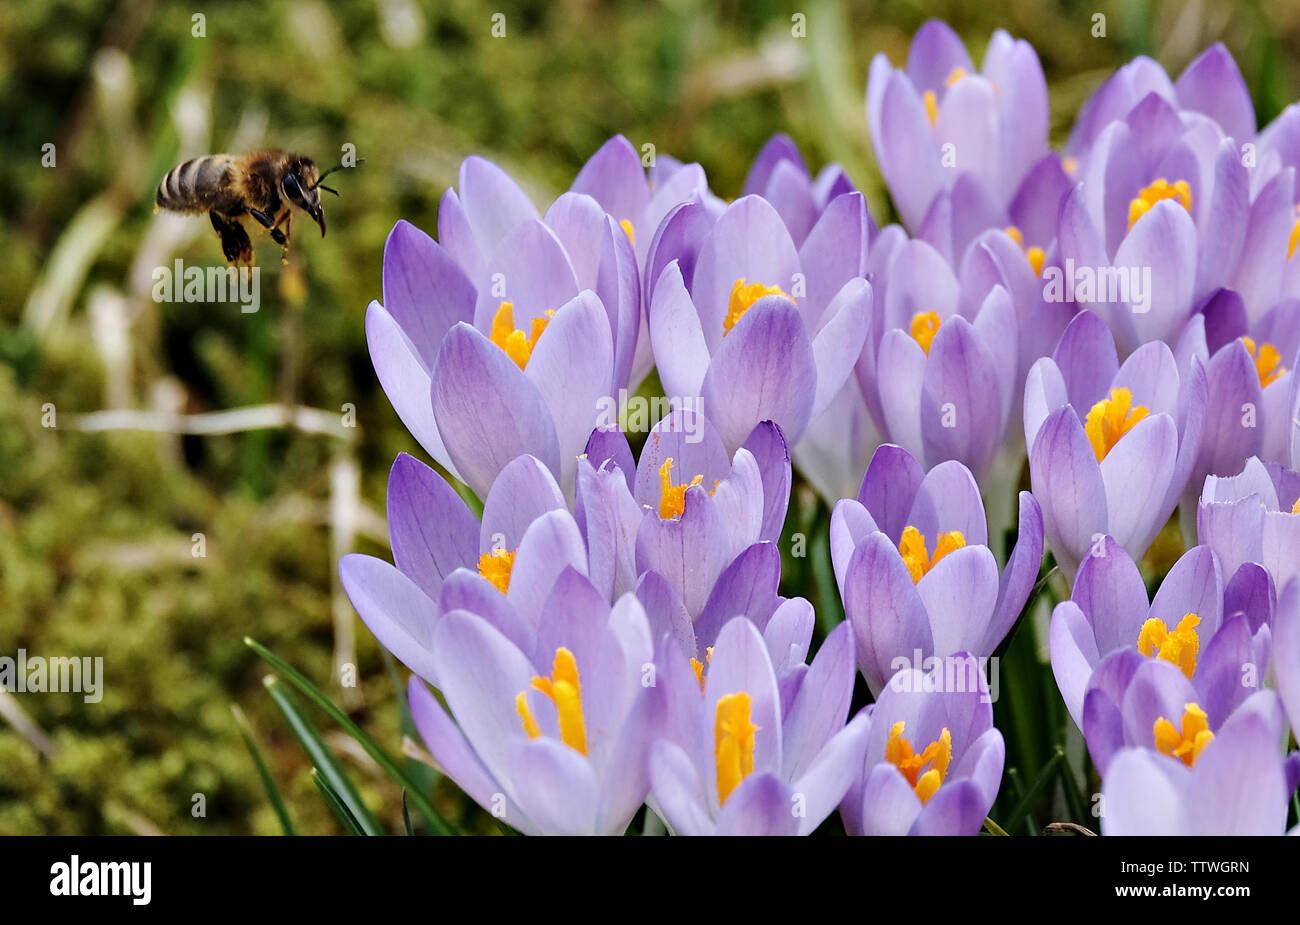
425, 290
401, 616
487, 409
431, 531
764, 370
524, 491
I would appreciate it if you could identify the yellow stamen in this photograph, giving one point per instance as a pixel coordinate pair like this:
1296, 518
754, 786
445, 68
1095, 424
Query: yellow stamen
565, 691
531, 728
733, 742
924, 326
938, 755
1268, 362
517, 345
1178, 648
915, 556
1110, 419
1160, 189
932, 107
698, 666
1295, 508
1295, 236
1188, 744
1070, 165
629, 231
744, 295
495, 566
672, 498
1035, 255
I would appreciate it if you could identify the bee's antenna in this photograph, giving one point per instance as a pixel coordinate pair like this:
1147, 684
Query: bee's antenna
330, 171
328, 189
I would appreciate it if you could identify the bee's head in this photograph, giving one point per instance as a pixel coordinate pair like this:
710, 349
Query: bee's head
299, 184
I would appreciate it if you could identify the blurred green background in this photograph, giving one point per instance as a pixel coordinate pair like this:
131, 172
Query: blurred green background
97, 529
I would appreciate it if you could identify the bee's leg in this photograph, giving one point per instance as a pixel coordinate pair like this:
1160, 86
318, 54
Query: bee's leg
282, 237
235, 244
265, 221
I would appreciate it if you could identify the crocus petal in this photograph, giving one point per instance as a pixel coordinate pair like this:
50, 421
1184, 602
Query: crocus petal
425, 290
487, 409
831, 772
750, 242
838, 343
431, 531
1074, 655
1110, 590
956, 809
524, 491
747, 587
681, 354
690, 551
889, 804
767, 445
529, 269
1068, 483
1136, 474
447, 744
571, 366
405, 381
1144, 794
615, 178
493, 202
884, 608
555, 786
678, 791
551, 544
1212, 84
1020, 573
401, 616
764, 370
961, 398
959, 593
820, 707
761, 805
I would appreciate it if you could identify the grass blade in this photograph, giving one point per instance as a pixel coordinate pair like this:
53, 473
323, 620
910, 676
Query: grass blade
381, 757
336, 804
268, 782
323, 758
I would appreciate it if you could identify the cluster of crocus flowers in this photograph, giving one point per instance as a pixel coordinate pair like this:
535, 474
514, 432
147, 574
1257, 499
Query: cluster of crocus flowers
1122, 318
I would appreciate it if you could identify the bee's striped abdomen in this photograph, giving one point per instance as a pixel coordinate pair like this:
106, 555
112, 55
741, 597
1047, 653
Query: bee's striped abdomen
189, 187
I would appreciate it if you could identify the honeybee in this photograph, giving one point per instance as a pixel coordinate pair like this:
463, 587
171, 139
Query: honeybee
263, 185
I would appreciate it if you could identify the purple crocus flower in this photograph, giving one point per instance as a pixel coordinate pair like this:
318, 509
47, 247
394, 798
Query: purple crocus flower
1111, 447
740, 755
1234, 784
941, 130
1206, 627
914, 569
1286, 658
509, 334
758, 329
502, 569
689, 528
933, 760
1249, 379
550, 738
1253, 517
780, 176
1211, 87
946, 377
